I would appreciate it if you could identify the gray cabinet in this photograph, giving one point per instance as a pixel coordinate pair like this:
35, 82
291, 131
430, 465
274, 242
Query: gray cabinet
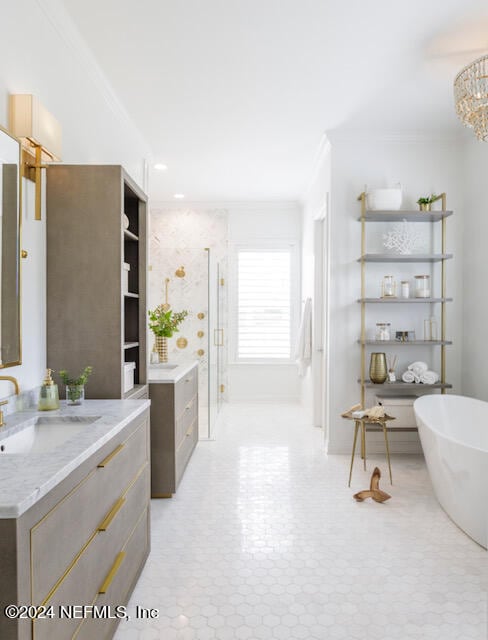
92, 318
85, 542
174, 431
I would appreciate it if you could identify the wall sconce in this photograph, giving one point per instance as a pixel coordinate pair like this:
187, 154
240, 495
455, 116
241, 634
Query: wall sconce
40, 135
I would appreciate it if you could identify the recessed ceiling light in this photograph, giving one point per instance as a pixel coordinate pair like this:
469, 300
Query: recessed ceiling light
178, 196
159, 166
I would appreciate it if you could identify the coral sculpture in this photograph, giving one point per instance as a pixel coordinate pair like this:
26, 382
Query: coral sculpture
403, 238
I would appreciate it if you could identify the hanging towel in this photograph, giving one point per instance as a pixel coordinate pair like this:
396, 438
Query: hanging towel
303, 353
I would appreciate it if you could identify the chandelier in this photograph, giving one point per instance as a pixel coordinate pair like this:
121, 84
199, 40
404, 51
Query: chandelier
471, 96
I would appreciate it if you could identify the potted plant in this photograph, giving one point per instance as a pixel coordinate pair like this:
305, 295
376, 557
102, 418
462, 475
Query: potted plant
164, 322
75, 387
426, 202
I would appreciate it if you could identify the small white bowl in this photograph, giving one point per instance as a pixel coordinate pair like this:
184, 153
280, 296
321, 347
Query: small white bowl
384, 199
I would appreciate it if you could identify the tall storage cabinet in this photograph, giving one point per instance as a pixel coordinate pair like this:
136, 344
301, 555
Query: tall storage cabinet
92, 319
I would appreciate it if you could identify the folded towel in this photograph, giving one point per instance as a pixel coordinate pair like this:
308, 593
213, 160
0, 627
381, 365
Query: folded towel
408, 376
429, 377
418, 367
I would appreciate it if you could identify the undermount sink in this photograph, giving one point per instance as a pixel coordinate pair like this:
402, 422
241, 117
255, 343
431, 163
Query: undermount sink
44, 433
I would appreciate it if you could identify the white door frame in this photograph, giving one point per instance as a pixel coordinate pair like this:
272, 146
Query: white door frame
320, 317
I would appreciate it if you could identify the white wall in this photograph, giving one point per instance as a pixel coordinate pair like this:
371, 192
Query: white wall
422, 166
314, 207
475, 289
257, 222
42, 54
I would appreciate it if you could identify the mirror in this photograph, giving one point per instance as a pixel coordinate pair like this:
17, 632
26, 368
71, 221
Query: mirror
10, 341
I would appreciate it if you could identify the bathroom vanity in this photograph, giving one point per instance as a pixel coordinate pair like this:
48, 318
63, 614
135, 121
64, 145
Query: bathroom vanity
74, 515
173, 390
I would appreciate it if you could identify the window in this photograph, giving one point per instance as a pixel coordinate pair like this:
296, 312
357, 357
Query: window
264, 318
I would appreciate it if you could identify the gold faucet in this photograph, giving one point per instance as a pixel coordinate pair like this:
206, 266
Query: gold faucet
14, 381
2, 422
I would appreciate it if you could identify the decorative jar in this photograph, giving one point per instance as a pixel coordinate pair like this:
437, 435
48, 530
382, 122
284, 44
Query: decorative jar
405, 289
388, 287
422, 286
383, 331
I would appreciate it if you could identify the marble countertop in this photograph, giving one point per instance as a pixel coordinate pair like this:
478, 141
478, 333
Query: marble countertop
169, 373
26, 478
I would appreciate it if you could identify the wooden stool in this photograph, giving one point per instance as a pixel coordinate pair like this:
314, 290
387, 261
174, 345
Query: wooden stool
374, 424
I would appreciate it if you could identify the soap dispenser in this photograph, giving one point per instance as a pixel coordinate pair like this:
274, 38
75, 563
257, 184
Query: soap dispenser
48, 396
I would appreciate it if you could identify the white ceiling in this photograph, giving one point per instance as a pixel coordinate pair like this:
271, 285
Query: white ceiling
235, 95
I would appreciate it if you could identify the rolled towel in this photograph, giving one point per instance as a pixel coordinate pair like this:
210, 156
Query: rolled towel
418, 367
429, 377
408, 376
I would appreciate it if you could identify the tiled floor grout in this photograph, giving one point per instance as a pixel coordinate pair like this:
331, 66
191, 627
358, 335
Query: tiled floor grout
263, 540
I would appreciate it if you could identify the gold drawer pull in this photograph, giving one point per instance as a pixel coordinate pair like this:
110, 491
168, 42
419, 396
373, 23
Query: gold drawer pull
106, 460
111, 514
112, 573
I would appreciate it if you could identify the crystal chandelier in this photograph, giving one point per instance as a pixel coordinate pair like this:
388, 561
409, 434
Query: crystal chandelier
471, 96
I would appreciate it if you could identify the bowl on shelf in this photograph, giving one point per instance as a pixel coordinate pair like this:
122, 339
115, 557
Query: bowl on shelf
389, 199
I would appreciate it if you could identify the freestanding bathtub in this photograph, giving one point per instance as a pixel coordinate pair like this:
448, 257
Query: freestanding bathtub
454, 435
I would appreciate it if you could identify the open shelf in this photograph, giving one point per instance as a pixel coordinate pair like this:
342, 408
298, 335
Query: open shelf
411, 257
130, 345
405, 385
401, 343
131, 295
436, 260
403, 300
408, 215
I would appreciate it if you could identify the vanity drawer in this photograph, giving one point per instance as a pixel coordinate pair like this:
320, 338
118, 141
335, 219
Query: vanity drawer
95, 562
125, 571
185, 450
74, 520
185, 389
185, 420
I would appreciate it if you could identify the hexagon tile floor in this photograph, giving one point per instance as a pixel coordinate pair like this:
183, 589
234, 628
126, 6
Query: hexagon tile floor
263, 540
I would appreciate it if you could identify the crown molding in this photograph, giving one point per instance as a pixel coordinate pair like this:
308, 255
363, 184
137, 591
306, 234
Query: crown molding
251, 206
66, 29
404, 137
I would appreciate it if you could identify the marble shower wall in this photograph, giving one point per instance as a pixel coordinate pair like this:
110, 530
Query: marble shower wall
178, 238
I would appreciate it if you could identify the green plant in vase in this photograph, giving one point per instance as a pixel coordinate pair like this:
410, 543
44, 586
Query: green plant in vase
425, 203
75, 387
164, 322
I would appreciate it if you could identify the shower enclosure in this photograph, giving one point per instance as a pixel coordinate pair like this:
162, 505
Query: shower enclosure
195, 282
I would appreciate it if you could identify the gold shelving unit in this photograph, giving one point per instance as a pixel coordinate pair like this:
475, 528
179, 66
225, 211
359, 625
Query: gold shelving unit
365, 258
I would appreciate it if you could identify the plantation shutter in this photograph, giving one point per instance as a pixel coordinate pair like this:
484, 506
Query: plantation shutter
264, 304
